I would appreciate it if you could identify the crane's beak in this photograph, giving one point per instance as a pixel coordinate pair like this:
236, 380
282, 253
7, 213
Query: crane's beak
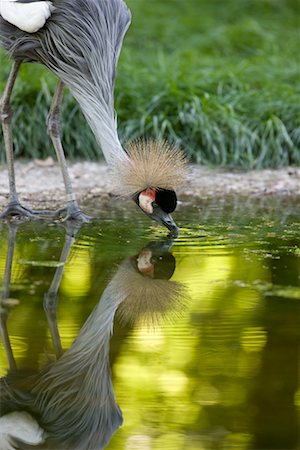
161, 217
165, 219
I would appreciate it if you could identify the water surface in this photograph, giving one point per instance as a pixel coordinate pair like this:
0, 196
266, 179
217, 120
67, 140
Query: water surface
115, 336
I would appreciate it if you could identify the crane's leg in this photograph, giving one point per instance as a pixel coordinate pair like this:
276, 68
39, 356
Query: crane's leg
53, 127
4, 296
14, 207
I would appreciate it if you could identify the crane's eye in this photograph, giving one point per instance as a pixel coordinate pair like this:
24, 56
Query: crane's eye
166, 199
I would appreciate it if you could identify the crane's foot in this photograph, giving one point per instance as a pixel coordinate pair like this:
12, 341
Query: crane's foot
75, 214
16, 210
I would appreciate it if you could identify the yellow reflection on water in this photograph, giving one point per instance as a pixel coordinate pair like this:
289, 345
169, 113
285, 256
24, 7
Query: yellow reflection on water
173, 382
208, 394
196, 364
180, 376
297, 399
201, 273
75, 284
76, 280
253, 339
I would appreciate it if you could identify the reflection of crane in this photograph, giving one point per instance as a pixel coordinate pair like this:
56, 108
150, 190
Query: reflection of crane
80, 42
70, 403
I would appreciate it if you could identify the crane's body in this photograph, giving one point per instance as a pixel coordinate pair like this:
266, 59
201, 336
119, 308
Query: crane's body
80, 42
29, 17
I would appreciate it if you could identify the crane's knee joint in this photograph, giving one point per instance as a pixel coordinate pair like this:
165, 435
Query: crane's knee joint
5, 112
53, 124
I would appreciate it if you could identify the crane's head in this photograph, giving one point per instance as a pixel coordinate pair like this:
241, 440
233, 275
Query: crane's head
151, 294
158, 203
149, 174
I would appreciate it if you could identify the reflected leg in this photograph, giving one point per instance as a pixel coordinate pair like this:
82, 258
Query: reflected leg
53, 127
51, 297
5, 296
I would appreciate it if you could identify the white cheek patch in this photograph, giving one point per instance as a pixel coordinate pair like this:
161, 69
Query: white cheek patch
145, 202
144, 263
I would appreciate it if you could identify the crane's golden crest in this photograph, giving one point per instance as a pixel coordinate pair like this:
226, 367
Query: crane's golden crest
150, 163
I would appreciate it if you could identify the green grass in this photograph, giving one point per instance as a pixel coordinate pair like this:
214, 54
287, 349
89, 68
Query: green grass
219, 78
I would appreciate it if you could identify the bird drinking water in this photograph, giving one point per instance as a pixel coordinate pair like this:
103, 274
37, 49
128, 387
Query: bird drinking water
80, 42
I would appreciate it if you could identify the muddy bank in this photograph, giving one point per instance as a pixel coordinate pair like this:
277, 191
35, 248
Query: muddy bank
40, 182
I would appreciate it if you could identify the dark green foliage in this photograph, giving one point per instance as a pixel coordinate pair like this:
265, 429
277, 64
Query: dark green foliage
219, 78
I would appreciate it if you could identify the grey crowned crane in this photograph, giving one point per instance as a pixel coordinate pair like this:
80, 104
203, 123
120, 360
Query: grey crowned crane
80, 42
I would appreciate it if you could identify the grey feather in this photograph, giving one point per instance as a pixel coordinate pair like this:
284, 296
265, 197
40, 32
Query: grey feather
75, 395
80, 43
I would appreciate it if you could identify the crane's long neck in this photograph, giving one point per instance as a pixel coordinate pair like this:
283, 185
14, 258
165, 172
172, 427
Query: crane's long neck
81, 44
97, 103
75, 396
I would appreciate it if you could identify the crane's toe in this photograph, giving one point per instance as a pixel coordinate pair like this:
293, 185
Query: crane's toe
19, 211
78, 216
15, 210
74, 213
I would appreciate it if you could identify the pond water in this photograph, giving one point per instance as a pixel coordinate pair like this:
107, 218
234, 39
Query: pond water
115, 336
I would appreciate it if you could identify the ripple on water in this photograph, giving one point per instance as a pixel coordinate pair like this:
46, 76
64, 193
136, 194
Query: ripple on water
194, 374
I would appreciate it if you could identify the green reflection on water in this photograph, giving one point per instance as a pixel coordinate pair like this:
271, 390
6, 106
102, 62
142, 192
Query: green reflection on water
207, 359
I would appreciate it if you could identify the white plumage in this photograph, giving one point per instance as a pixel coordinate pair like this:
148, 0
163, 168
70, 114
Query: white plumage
29, 17
20, 425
